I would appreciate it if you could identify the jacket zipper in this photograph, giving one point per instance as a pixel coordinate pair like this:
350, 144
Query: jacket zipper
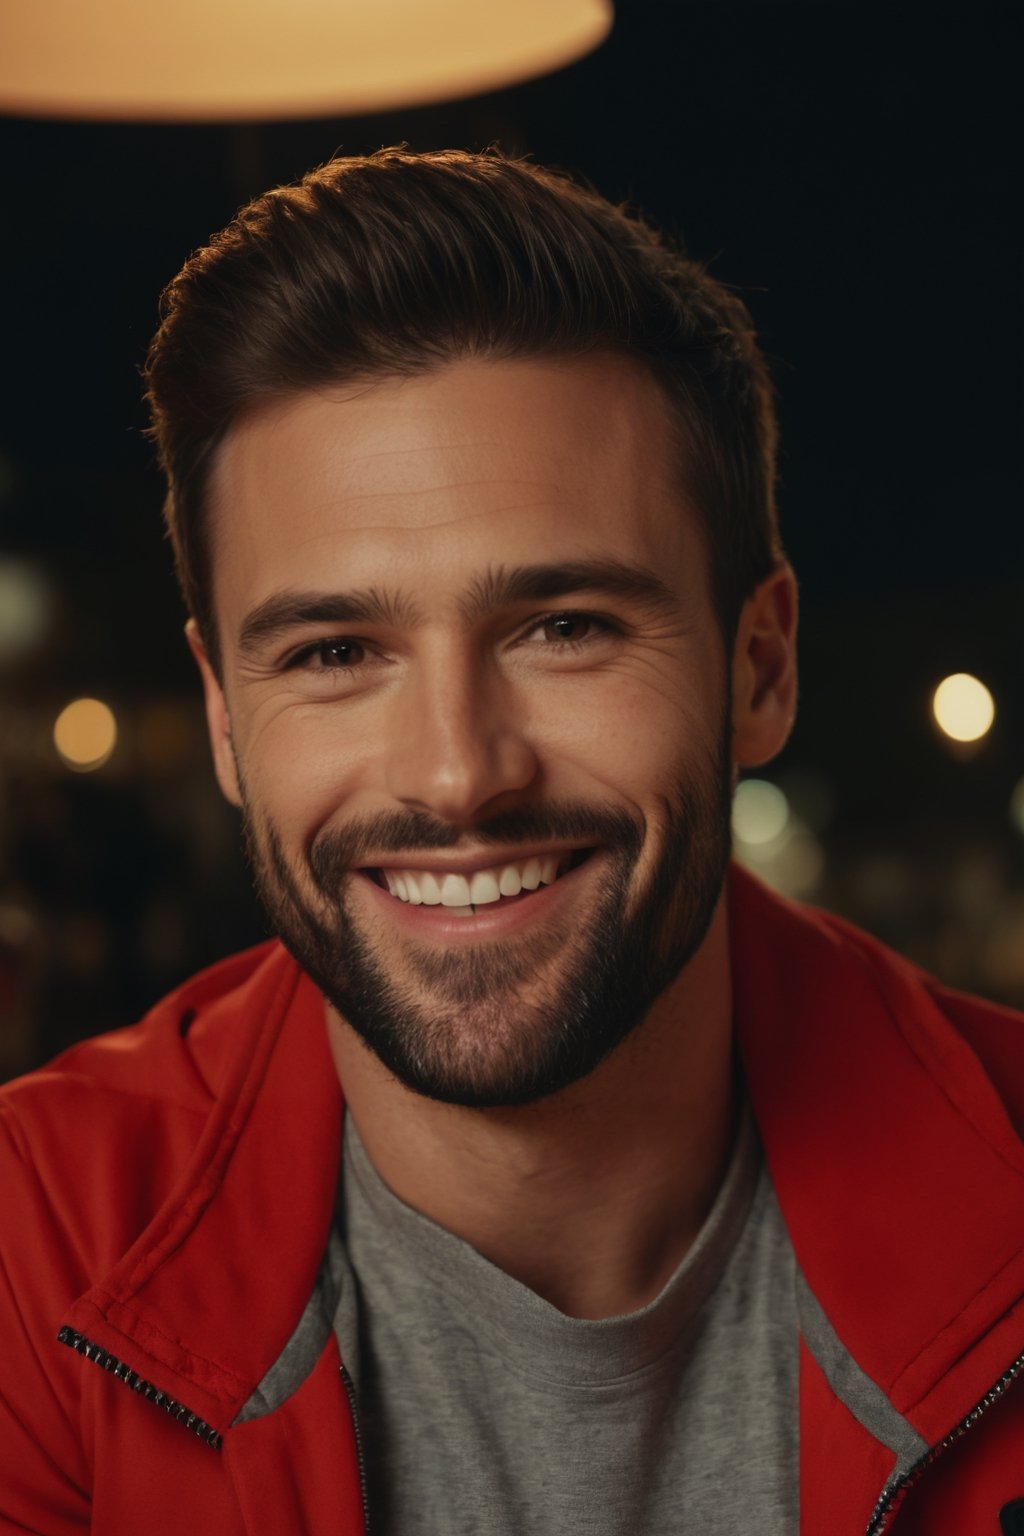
102, 1357
191, 1421
350, 1391
893, 1495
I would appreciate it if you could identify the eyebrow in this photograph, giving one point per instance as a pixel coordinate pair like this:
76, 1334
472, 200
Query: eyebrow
289, 610
499, 587
504, 585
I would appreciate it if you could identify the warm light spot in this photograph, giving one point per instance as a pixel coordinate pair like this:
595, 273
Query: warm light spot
85, 734
963, 707
760, 812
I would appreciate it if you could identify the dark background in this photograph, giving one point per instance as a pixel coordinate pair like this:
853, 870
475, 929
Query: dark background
852, 169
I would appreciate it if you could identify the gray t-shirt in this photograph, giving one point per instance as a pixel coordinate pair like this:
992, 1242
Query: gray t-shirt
484, 1411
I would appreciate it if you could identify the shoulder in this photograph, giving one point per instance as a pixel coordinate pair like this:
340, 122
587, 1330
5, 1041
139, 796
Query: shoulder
97, 1151
791, 960
993, 1032
91, 1143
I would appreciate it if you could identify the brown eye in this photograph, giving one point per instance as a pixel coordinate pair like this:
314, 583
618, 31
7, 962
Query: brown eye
568, 626
339, 653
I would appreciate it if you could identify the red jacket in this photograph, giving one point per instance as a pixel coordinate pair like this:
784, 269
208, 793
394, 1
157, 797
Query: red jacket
167, 1192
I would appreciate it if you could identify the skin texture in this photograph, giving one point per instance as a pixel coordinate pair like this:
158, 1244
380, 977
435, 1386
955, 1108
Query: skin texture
456, 723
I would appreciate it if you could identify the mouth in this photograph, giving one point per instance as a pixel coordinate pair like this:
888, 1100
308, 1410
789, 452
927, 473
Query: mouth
464, 893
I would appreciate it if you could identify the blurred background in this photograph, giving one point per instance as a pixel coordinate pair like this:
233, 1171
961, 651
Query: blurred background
853, 170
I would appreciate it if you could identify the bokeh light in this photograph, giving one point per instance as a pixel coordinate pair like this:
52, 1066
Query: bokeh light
85, 734
760, 812
963, 707
26, 608
772, 839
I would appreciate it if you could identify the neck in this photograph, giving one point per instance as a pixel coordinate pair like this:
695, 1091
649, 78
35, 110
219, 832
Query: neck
592, 1196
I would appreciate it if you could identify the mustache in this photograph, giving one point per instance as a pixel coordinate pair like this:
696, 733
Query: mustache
340, 849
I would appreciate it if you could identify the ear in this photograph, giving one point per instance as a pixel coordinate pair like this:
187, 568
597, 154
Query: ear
217, 719
764, 680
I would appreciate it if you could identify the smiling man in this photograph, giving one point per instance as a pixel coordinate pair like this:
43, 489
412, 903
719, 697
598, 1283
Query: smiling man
435, 672
543, 1175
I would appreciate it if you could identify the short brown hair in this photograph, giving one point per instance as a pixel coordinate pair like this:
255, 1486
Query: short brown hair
392, 264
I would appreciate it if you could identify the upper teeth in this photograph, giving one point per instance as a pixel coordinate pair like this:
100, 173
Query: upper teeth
424, 887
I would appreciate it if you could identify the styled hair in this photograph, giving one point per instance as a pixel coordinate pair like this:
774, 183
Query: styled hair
393, 264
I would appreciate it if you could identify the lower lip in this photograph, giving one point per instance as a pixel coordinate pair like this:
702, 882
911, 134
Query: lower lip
495, 920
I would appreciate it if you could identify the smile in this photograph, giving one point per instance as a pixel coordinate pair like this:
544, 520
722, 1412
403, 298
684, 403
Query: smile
462, 893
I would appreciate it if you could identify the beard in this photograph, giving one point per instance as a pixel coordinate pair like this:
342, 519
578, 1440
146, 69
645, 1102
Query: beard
506, 1022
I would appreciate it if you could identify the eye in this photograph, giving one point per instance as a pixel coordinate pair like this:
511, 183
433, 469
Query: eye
330, 655
340, 653
571, 628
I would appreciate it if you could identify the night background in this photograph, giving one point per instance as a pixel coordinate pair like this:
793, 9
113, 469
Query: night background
853, 170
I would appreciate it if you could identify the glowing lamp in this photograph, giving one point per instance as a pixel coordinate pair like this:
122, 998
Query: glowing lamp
203, 60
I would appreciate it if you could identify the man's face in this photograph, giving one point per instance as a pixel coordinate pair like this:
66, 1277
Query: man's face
474, 705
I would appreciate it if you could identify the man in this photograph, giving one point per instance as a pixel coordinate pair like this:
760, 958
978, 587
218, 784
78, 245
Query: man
657, 1203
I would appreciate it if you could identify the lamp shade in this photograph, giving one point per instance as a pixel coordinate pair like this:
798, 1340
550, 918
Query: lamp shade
203, 60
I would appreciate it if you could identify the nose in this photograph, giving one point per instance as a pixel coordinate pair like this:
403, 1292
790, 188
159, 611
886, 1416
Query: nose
458, 749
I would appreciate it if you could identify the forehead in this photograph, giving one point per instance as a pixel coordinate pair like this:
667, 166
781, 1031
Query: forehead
427, 480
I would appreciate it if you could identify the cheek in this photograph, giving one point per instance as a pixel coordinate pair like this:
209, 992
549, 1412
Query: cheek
301, 765
631, 735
